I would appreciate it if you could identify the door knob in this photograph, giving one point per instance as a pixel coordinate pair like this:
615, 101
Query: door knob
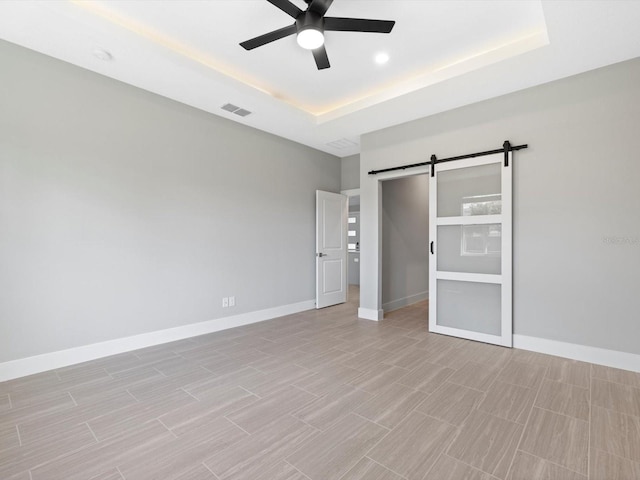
322, 254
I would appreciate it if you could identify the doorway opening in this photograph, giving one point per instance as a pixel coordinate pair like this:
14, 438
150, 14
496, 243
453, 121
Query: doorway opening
353, 247
405, 243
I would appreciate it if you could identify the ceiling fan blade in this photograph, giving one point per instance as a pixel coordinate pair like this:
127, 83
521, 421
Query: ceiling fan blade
321, 58
358, 25
287, 7
269, 37
320, 6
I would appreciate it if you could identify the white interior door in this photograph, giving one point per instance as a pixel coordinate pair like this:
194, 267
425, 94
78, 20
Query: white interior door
331, 248
470, 276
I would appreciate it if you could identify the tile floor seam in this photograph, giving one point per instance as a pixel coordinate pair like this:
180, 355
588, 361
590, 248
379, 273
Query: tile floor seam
326, 427
72, 399
228, 419
191, 395
588, 422
386, 434
361, 390
290, 414
19, 438
367, 419
62, 455
564, 467
249, 391
611, 381
618, 411
457, 427
378, 463
414, 409
491, 476
170, 431
618, 456
436, 461
132, 395
562, 382
317, 397
498, 376
519, 385
120, 473
297, 470
526, 424
9, 397
468, 464
92, 432
205, 466
458, 430
310, 393
206, 369
460, 385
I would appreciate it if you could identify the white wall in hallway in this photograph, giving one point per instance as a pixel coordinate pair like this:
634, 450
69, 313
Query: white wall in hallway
405, 241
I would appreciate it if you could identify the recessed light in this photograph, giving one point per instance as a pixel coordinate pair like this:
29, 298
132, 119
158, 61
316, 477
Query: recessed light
102, 54
381, 58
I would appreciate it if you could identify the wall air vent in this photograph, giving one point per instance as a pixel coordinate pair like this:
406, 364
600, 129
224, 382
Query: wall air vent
230, 107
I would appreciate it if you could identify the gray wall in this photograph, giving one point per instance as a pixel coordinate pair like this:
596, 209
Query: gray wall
576, 200
122, 212
350, 167
405, 241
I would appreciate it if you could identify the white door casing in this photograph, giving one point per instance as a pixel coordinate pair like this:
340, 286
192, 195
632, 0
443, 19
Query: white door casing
331, 248
470, 269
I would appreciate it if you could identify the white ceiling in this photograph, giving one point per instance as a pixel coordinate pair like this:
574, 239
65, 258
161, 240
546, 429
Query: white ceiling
443, 54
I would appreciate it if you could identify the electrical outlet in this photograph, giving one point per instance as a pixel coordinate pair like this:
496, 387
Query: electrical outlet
225, 302
232, 301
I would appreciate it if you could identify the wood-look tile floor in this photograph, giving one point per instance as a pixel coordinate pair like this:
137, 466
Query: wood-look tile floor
321, 395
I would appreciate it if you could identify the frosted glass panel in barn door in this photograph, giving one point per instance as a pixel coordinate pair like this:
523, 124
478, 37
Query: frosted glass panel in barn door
470, 280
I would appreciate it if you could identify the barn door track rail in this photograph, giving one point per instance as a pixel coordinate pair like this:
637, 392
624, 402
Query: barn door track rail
506, 148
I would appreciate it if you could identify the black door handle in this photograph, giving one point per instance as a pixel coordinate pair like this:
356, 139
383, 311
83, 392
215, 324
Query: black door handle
431, 248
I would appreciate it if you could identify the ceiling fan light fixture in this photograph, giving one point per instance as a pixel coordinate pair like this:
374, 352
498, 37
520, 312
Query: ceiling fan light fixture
310, 25
310, 38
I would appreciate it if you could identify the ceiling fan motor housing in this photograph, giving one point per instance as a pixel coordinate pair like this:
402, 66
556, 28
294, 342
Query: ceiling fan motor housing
310, 19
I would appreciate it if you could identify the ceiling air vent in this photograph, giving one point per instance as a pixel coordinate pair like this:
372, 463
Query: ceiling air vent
342, 143
230, 107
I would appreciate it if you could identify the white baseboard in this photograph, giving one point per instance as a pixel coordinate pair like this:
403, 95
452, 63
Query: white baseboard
600, 356
370, 314
404, 302
72, 356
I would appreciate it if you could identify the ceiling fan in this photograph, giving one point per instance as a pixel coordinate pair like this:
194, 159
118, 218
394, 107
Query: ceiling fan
310, 25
